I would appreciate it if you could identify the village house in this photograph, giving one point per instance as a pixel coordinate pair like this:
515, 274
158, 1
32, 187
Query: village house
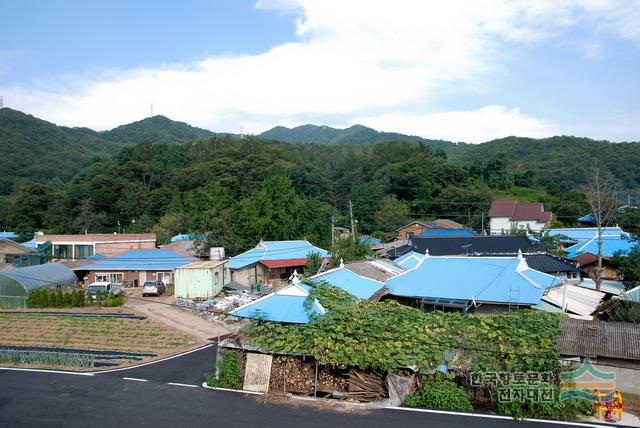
272, 262
463, 245
79, 247
10, 250
135, 267
585, 253
417, 227
506, 215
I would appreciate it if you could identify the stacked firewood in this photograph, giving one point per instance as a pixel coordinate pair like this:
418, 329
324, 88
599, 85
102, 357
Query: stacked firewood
366, 386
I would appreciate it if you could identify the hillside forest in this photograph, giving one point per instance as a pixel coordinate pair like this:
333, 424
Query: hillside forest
168, 177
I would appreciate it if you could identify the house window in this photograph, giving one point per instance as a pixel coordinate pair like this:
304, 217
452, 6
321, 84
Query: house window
62, 251
166, 277
83, 251
115, 277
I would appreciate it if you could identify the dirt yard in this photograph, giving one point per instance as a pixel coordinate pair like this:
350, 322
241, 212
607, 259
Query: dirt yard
163, 309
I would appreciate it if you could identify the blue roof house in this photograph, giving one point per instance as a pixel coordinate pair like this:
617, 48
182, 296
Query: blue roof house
410, 260
272, 262
610, 246
136, 266
480, 284
351, 282
577, 234
286, 305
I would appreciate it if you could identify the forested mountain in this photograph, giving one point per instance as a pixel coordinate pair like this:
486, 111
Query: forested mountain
157, 129
356, 134
239, 190
34, 149
567, 161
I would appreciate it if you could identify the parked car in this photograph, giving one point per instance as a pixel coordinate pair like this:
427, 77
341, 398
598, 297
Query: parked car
108, 289
153, 288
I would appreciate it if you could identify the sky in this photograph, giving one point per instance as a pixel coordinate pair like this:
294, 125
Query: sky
457, 70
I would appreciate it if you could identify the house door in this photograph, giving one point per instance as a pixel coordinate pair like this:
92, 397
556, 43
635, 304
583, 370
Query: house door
142, 277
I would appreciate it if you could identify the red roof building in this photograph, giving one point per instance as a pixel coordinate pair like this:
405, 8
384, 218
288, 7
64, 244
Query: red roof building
505, 215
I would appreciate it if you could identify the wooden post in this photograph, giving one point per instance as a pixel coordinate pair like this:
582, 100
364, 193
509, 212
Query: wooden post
315, 382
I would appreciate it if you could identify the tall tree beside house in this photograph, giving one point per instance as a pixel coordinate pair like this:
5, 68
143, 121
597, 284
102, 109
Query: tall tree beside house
392, 214
313, 264
600, 194
87, 220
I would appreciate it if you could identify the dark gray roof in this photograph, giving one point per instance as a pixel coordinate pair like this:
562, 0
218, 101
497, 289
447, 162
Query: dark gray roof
475, 244
545, 262
592, 339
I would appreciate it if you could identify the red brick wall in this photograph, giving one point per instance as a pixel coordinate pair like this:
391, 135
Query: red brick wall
118, 247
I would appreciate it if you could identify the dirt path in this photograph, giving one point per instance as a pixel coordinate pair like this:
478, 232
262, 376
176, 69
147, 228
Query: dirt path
162, 309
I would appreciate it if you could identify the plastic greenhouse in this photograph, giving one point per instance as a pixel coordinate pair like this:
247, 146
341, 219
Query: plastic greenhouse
17, 284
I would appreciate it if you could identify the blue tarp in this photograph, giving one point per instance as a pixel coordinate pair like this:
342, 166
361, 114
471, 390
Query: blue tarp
276, 250
142, 260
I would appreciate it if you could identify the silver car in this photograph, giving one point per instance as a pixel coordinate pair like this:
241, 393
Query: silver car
153, 288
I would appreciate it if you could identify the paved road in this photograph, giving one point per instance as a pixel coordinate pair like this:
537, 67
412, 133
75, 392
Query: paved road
53, 400
188, 369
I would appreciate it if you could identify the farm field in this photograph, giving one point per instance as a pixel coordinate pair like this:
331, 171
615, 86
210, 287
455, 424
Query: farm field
127, 340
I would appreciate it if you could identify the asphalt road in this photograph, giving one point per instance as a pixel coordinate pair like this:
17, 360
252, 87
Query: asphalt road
54, 400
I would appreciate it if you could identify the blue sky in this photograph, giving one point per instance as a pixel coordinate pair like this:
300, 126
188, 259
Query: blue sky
455, 70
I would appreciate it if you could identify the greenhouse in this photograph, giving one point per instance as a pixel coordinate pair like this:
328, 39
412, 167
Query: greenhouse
17, 284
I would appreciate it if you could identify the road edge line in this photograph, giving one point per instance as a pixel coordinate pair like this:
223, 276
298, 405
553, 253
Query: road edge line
240, 391
24, 369
486, 415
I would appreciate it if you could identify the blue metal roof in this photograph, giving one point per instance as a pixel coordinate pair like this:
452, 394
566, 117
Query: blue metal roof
500, 280
576, 234
351, 282
142, 260
447, 232
610, 245
276, 250
366, 239
31, 244
8, 235
409, 260
96, 256
286, 305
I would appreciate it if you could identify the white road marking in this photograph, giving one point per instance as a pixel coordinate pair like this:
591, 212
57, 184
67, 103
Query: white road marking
182, 384
483, 415
135, 379
16, 369
155, 361
240, 391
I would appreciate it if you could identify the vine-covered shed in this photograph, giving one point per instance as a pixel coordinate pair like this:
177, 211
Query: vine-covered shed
17, 284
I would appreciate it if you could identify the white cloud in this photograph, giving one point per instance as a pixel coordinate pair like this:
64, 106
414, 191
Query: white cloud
475, 126
352, 60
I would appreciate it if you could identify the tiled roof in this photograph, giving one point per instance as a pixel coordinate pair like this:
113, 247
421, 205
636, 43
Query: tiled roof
576, 234
487, 279
593, 339
610, 245
141, 260
97, 237
462, 245
286, 305
276, 250
519, 211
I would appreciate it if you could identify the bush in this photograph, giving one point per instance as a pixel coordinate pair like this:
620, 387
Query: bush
114, 301
439, 393
567, 410
228, 372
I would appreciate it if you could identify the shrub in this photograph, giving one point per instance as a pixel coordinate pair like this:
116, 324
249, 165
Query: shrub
228, 372
568, 409
114, 301
439, 393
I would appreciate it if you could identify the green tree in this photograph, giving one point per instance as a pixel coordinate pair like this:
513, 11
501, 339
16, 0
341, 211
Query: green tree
392, 214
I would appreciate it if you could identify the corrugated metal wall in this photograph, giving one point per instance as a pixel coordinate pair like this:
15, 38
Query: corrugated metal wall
198, 283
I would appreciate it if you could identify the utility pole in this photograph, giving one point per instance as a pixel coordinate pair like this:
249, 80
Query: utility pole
353, 234
333, 233
482, 223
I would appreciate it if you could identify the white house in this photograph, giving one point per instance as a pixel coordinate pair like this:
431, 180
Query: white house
505, 215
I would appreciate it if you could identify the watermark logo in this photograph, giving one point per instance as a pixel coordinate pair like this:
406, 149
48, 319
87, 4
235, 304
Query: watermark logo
583, 381
517, 386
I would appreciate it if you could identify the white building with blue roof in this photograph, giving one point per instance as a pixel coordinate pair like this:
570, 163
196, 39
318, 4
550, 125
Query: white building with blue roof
272, 262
